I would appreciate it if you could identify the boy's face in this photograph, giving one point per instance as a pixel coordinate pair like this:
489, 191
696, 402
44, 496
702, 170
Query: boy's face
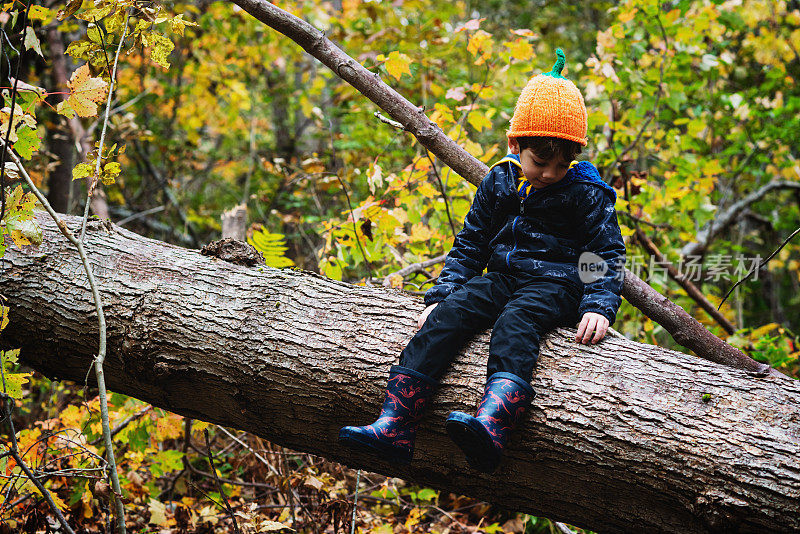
540, 172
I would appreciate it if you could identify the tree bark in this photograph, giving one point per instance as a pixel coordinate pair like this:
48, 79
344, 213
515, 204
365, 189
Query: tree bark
622, 437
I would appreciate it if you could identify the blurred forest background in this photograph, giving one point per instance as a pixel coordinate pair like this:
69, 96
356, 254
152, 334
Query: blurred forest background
694, 116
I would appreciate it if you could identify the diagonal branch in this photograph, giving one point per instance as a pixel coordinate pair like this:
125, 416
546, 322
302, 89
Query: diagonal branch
731, 215
692, 290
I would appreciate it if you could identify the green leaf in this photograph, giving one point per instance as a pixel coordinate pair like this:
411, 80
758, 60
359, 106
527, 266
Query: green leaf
332, 269
427, 494
27, 143
166, 461
63, 108
13, 381
19, 221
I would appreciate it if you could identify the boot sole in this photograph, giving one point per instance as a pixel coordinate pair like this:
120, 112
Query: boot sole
368, 444
473, 440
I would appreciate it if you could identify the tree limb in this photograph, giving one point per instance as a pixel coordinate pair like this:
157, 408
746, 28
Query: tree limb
691, 289
731, 215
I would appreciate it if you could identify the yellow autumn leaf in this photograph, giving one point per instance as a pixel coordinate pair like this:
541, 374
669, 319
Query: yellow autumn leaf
40, 13
169, 427
59, 502
397, 64
421, 232
19, 118
178, 24
158, 513
479, 121
521, 50
427, 190
480, 42
85, 92
396, 281
160, 48
473, 148
82, 170
763, 330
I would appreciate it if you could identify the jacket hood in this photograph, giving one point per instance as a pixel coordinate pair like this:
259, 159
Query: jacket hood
582, 171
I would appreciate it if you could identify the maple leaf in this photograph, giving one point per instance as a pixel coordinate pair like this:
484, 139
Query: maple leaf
19, 118
398, 63
85, 92
28, 142
456, 93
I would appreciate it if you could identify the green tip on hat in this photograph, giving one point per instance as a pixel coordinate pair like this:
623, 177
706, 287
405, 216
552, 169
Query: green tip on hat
559, 65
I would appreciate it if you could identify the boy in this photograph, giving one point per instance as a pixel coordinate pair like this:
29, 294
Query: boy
534, 218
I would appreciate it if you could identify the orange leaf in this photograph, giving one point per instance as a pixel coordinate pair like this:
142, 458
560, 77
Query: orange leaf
85, 92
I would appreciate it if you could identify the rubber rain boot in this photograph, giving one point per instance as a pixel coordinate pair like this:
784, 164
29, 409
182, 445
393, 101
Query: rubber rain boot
408, 393
483, 438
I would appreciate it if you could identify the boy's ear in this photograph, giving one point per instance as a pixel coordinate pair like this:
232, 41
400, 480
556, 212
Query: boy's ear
513, 145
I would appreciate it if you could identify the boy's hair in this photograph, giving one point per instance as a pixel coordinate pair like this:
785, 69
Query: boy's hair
549, 147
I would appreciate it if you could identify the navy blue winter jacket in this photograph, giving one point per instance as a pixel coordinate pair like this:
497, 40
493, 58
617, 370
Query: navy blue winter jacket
543, 234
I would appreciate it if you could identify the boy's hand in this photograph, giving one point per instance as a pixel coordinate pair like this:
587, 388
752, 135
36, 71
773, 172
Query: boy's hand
591, 322
424, 315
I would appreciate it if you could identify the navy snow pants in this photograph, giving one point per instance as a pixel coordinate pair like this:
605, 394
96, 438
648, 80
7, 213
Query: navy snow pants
520, 309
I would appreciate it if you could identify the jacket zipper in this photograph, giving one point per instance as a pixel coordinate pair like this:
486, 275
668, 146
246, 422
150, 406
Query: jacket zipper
513, 230
513, 233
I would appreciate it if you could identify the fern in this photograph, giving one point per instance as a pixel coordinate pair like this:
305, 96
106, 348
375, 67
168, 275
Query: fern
272, 247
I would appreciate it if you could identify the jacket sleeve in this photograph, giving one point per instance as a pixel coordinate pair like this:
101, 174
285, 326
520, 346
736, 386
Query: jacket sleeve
601, 236
470, 252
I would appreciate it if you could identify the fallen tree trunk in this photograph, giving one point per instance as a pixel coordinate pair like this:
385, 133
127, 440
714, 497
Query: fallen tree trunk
623, 437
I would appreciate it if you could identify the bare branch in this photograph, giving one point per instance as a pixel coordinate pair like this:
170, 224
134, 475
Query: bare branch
760, 265
691, 289
731, 215
414, 268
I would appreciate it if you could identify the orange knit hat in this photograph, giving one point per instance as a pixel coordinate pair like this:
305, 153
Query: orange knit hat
550, 106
